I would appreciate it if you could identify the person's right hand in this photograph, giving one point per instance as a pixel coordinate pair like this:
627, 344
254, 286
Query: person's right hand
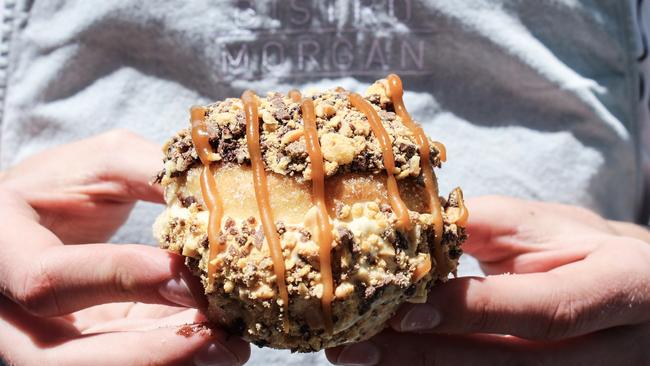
75, 304
564, 287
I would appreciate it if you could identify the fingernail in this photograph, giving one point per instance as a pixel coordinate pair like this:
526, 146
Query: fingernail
177, 291
359, 354
215, 354
420, 317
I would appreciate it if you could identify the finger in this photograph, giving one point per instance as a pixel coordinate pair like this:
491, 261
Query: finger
164, 346
127, 176
50, 279
610, 347
33, 340
140, 310
117, 165
106, 313
495, 228
65, 279
146, 323
631, 230
502, 227
580, 298
544, 257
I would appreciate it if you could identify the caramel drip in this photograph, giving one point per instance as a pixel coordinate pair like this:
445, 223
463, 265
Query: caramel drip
398, 206
396, 92
441, 148
249, 99
295, 95
324, 224
422, 269
464, 213
211, 197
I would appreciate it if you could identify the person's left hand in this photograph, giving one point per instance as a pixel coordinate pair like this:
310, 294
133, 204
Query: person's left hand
564, 287
64, 292
85, 190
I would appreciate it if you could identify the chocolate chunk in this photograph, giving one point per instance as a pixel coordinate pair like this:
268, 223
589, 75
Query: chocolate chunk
237, 327
455, 252
280, 109
407, 149
304, 329
261, 343
229, 223
373, 98
410, 291
242, 240
281, 228
228, 150
305, 235
364, 304
188, 201
205, 243
346, 238
401, 242
158, 178
296, 149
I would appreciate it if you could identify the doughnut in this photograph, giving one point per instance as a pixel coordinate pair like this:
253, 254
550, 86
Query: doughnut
309, 218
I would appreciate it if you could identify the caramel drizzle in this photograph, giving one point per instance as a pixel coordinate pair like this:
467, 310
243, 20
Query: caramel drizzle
464, 213
422, 269
318, 196
396, 92
396, 203
295, 95
439, 146
249, 99
201, 141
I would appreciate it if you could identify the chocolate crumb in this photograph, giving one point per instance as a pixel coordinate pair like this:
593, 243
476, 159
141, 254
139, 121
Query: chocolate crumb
189, 330
188, 201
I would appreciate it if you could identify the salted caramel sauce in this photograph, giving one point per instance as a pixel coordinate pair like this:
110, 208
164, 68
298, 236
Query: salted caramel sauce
249, 99
398, 206
396, 93
200, 136
442, 150
324, 225
422, 269
209, 190
464, 213
295, 95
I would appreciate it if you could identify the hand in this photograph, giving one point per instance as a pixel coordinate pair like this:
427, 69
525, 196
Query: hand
84, 191
578, 294
66, 304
